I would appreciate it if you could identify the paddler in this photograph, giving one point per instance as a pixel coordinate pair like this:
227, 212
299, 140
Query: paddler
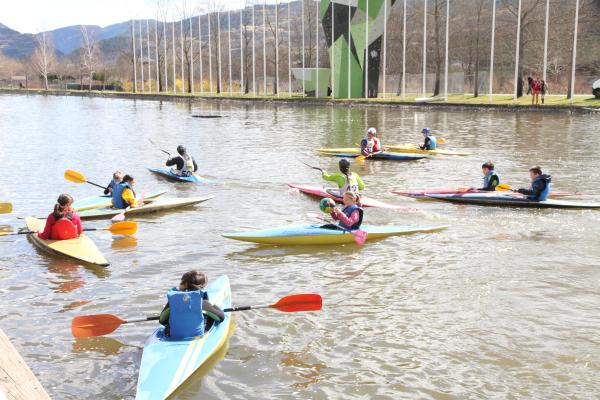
184, 164
116, 179
123, 195
351, 216
346, 180
540, 185
430, 142
187, 305
490, 178
63, 223
371, 144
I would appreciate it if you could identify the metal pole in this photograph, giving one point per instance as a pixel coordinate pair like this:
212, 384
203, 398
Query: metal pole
332, 57
349, 49
303, 85
492, 50
166, 87
573, 63
366, 64
317, 50
242, 42
156, 49
403, 90
200, 54
142, 56
174, 62
229, 40
546, 40
446, 62
148, 56
264, 49
210, 70
253, 53
191, 56
277, 46
289, 26
220, 76
424, 88
384, 43
517, 50
133, 52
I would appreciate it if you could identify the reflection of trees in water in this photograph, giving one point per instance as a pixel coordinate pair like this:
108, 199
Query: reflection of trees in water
303, 368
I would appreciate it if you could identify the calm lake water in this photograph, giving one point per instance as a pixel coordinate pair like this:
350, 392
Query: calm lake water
503, 304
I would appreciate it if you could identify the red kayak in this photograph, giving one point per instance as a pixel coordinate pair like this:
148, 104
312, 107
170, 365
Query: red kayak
334, 195
419, 194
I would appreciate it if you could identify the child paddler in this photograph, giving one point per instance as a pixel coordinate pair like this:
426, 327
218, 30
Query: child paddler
184, 164
188, 312
116, 179
346, 180
371, 144
490, 178
63, 223
430, 141
123, 195
350, 217
540, 185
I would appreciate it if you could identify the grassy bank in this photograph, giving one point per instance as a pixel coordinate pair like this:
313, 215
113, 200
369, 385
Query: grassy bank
553, 103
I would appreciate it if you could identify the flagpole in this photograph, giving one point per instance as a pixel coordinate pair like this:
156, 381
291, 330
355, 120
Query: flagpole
229, 40
546, 40
264, 49
142, 56
277, 46
424, 88
156, 50
219, 61
200, 54
133, 52
191, 55
174, 63
366, 64
210, 70
303, 66
517, 51
166, 87
492, 50
349, 49
289, 26
242, 43
332, 57
446, 62
181, 45
148, 56
403, 91
317, 50
254, 88
573, 63
384, 44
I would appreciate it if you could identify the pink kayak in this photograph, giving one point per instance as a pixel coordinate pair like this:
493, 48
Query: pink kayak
333, 194
418, 194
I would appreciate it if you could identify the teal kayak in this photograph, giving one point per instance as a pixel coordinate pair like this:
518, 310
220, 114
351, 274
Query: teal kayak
92, 202
503, 200
150, 206
167, 173
167, 363
319, 234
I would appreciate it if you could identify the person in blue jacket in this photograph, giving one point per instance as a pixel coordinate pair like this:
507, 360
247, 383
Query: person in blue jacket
540, 185
490, 178
430, 142
185, 314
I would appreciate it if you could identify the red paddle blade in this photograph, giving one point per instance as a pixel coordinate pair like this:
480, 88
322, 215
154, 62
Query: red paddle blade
95, 325
299, 302
360, 237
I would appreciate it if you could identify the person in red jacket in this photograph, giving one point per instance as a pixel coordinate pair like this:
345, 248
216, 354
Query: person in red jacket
63, 223
536, 88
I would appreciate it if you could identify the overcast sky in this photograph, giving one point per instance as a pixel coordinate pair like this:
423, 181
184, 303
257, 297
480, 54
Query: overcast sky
32, 16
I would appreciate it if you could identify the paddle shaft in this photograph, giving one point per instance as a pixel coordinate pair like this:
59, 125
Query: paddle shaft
155, 145
95, 184
310, 166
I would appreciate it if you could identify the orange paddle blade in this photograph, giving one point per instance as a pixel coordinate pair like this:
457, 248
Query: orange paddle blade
95, 325
6, 208
299, 302
122, 228
74, 176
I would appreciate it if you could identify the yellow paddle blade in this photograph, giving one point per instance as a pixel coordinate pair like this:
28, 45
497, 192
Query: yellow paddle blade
5, 208
74, 176
503, 186
122, 228
361, 158
441, 140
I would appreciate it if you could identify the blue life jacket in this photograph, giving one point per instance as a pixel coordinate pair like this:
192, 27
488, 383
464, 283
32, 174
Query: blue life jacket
432, 142
185, 319
544, 193
348, 211
488, 177
117, 195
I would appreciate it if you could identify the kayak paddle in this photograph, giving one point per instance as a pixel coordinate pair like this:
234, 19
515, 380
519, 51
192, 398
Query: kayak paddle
360, 237
78, 177
103, 324
310, 166
5, 208
503, 187
120, 228
155, 145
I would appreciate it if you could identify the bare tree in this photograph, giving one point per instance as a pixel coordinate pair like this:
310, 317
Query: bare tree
43, 57
89, 54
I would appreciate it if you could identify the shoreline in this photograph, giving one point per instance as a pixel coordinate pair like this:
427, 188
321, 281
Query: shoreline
380, 102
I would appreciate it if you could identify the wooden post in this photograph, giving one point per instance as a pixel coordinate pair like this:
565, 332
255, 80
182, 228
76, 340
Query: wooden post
17, 382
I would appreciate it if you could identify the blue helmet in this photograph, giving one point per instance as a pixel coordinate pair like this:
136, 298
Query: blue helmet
425, 130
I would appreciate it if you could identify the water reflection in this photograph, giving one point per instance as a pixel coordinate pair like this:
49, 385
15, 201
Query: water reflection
104, 345
303, 366
124, 243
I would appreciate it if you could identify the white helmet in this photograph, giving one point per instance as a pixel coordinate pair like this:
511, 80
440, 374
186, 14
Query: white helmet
372, 131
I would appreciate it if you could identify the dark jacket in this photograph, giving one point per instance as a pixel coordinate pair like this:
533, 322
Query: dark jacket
538, 185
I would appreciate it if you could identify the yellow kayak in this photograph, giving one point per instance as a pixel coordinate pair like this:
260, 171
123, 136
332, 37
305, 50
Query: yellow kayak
407, 148
81, 249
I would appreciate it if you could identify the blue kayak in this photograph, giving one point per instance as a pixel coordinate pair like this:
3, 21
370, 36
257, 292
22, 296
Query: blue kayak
167, 363
89, 203
167, 173
381, 156
506, 200
318, 234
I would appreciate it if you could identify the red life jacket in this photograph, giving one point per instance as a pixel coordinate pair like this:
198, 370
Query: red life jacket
63, 229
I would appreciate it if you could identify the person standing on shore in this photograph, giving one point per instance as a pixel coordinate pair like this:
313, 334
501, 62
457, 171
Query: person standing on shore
529, 84
544, 89
536, 88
